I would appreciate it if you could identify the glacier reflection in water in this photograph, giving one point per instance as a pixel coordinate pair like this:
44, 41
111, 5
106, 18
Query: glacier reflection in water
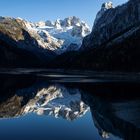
34, 107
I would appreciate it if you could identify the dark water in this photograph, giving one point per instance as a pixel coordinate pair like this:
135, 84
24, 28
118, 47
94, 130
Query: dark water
62, 105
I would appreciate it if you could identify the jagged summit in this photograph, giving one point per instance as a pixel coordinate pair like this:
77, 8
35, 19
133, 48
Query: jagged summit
61, 34
67, 22
58, 36
105, 6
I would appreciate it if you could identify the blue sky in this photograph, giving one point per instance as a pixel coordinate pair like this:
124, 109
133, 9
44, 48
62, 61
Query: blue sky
36, 10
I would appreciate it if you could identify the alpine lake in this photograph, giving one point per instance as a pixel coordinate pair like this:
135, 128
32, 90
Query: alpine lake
40, 104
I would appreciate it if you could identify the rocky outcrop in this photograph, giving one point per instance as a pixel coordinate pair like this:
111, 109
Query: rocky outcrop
105, 6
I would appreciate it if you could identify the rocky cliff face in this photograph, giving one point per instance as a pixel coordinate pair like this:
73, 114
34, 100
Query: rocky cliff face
114, 24
114, 42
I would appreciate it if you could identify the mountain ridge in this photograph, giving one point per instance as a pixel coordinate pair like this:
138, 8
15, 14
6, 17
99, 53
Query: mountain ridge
57, 36
41, 44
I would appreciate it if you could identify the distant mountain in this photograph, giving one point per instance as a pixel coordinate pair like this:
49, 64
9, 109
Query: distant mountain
59, 36
25, 44
62, 35
113, 43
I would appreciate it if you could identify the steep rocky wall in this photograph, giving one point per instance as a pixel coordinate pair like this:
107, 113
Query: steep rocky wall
112, 23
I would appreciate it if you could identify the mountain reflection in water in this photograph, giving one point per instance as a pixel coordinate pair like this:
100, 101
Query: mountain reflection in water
115, 107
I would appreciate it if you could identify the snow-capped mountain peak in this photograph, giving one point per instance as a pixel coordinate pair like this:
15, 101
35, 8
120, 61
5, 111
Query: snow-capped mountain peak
58, 36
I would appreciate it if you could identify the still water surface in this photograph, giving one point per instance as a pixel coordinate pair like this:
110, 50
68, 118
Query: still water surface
60, 105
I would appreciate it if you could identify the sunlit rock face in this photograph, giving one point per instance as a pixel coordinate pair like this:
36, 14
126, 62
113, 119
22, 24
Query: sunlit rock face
54, 100
57, 36
60, 34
